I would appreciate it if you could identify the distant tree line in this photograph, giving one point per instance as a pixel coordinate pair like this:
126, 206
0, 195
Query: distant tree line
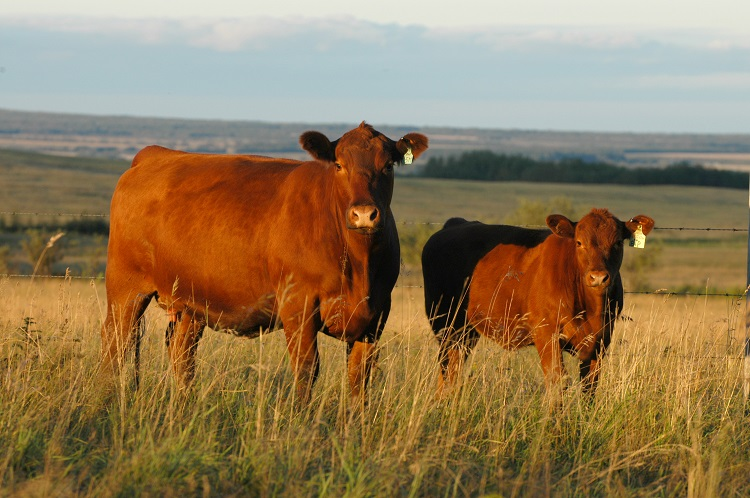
489, 166
82, 226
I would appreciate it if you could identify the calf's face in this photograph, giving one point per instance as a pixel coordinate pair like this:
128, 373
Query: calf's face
599, 239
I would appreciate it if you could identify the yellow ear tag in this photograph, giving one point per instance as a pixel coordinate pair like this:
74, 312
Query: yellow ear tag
638, 240
408, 156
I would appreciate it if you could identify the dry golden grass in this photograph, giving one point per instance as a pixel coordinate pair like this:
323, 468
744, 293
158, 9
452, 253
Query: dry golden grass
667, 420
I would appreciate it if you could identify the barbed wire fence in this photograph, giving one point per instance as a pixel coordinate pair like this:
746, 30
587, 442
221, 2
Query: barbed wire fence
53, 214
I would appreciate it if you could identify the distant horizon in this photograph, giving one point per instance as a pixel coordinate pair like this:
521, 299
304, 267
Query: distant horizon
356, 122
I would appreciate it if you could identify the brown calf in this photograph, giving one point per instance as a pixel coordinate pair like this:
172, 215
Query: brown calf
558, 289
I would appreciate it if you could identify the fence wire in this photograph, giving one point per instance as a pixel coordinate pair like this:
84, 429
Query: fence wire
404, 223
66, 215
407, 222
658, 292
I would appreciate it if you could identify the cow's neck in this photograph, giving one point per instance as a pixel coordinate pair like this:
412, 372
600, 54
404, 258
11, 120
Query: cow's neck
358, 252
588, 305
591, 305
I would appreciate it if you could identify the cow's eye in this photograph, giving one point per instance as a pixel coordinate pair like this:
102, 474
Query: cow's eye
388, 168
338, 167
579, 243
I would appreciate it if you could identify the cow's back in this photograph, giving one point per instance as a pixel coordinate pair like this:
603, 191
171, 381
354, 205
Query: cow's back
191, 219
170, 196
450, 257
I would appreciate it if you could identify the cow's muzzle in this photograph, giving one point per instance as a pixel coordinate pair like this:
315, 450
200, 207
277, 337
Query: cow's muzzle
364, 218
598, 279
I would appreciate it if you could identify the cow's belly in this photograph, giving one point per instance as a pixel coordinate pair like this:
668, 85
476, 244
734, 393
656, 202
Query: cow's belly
349, 328
347, 317
247, 318
512, 331
504, 318
245, 323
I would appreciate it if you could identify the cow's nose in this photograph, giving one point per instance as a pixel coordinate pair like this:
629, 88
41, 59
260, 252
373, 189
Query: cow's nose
364, 216
598, 278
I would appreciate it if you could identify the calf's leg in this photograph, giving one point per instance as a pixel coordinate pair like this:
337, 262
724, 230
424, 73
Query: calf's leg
550, 353
455, 348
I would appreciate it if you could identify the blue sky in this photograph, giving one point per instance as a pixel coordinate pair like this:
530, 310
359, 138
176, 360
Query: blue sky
660, 66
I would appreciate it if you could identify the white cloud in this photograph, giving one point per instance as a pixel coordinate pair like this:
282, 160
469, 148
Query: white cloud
262, 32
520, 37
218, 34
151, 31
661, 14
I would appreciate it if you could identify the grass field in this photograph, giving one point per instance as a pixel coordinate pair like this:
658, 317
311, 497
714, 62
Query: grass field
667, 420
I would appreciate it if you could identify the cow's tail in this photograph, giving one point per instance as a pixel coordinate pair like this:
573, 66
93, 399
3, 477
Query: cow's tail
454, 222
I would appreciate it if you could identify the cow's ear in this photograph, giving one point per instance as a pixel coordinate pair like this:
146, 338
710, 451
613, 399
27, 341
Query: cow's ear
318, 146
411, 144
561, 226
646, 223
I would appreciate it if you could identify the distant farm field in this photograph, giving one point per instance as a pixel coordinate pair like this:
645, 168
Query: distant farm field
687, 259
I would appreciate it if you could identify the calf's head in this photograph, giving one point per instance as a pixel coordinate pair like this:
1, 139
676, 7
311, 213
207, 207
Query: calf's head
598, 239
363, 162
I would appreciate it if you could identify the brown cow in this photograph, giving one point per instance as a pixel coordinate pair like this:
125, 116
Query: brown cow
248, 243
559, 290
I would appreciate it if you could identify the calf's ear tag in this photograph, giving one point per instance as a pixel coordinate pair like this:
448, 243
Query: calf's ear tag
638, 239
408, 156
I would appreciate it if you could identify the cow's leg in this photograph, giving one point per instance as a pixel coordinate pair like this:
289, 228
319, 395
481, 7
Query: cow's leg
550, 353
182, 346
455, 348
456, 339
362, 356
174, 318
119, 332
589, 375
302, 343
590, 358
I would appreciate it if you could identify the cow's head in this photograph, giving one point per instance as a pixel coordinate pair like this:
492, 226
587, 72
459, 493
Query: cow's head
599, 239
363, 161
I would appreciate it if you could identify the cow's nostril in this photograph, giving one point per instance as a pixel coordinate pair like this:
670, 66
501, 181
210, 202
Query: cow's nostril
598, 278
374, 214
